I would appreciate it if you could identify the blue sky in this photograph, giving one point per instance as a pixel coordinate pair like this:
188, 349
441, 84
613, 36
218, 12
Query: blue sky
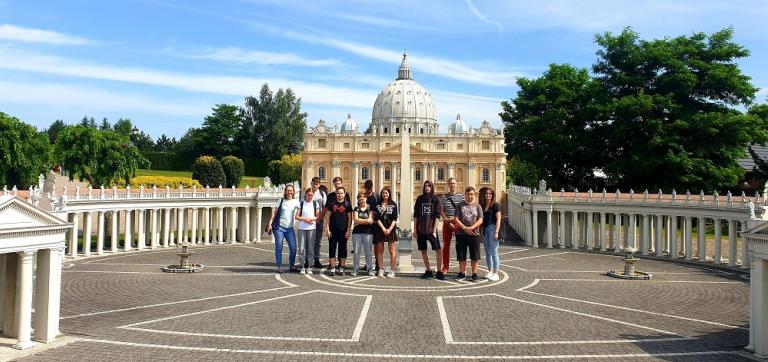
164, 64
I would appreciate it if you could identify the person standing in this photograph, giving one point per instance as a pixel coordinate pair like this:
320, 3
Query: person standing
281, 223
450, 202
468, 219
362, 238
426, 211
490, 231
338, 228
321, 197
370, 196
384, 232
307, 214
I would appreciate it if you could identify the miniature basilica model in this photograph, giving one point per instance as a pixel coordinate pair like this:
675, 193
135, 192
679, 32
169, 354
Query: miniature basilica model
473, 156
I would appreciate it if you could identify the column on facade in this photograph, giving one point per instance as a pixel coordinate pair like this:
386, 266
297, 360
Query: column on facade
73, 236
393, 179
574, 229
610, 220
745, 259
166, 227
380, 175
499, 178
451, 170
247, 223
100, 232
309, 174
424, 175
154, 240
602, 231
431, 168
128, 230
732, 242
617, 244
645, 237
87, 233
590, 230
220, 225
718, 254
193, 231
113, 216
632, 231
207, 223
335, 169
48, 294
535, 236
561, 230
471, 177
24, 301
673, 252
688, 232
355, 180
548, 229
658, 237
233, 225
141, 237
702, 242
259, 228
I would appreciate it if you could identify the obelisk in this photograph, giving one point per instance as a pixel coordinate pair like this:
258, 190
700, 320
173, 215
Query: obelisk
406, 203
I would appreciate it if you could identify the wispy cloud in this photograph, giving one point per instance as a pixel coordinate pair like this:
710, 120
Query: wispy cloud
28, 35
382, 22
498, 25
242, 56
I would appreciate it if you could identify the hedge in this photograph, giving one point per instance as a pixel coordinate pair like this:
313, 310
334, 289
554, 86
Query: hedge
208, 171
255, 167
233, 170
159, 181
170, 161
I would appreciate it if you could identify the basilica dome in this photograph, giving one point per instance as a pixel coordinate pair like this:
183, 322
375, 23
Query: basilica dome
404, 104
349, 126
458, 126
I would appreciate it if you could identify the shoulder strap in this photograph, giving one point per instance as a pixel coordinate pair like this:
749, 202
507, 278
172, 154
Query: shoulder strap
452, 202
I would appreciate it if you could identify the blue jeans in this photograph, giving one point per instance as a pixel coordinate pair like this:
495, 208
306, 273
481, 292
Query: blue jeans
491, 247
290, 236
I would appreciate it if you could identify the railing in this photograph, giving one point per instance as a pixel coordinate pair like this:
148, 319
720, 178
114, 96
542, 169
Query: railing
655, 224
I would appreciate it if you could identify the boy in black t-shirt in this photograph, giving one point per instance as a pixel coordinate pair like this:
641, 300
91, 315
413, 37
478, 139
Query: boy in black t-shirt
338, 227
426, 211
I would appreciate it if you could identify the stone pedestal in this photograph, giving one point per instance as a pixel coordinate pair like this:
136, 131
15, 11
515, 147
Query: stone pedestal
404, 248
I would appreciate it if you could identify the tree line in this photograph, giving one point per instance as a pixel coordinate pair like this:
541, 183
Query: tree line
656, 114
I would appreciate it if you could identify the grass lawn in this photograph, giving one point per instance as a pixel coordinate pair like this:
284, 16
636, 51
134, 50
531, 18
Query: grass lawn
252, 181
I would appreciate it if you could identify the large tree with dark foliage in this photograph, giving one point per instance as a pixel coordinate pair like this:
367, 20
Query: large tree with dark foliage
24, 153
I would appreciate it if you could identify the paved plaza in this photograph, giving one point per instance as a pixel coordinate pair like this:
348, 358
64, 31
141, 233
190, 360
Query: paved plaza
553, 304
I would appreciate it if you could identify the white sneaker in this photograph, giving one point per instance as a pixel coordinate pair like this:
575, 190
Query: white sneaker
381, 273
303, 271
354, 273
391, 274
489, 275
495, 277
371, 273
309, 271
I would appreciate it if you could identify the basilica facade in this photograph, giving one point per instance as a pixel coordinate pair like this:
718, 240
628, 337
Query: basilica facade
474, 156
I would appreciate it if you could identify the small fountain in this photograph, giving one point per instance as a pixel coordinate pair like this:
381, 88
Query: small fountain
184, 266
629, 267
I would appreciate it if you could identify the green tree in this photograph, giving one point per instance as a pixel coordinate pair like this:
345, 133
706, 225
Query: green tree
101, 157
217, 136
286, 169
54, 129
208, 171
522, 173
554, 123
123, 126
272, 125
24, 153
143, 141
165, 144
188, 144
105, 124
234, 168
673, 106
88, 122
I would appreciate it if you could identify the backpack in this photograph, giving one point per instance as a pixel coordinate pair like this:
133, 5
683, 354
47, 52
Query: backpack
315, 204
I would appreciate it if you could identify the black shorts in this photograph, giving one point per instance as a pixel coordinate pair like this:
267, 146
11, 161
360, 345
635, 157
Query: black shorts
421, 240
337, 242
467, 241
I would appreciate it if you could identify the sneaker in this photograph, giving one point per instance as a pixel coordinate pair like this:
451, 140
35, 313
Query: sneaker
280, 270
341, 271
354, 272
495, 277
331, 272
371, 273
440, 276
317, 264
427, 274
461, 276
391, 274
381, 273
309, 271
303, 271
489, 275
474, 277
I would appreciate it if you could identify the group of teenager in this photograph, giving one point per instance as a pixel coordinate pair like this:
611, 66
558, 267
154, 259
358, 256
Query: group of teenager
473, 217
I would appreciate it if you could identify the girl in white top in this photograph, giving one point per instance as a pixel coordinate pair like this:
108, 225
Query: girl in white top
283, 229
307, 214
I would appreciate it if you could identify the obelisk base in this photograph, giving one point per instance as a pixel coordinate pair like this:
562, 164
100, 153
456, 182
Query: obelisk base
404, 249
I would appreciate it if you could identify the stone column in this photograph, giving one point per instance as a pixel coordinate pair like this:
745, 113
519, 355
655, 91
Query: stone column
220, 225
393, 181
73, 237
645, 240
233, 225
471, 174
702, 239
128, 230
166, 227
259, 227
335, 169
355, 180
247, 224
9, 294
87, 233
590, 230
99, 232
745, 260
617, 244
574, 229
431, 168
731, 242
179, 225
141, 241
632, 231
24, 301
561, 217
673, 253
310, 172
48, 294
659, 248
380, 175
549, 229
758, 302
154, 241
535, 236
451, 169
193, 238
207, 223
114, 216
602, 231
688, 237
718, 254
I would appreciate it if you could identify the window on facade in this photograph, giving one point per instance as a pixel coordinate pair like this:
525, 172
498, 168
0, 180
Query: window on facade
321, 143
321, 172
460, 146
365, 173
486, 176
417, 175
385, 130
421, 130
365, 145
346, 145
386, 145
387, 173
397, 130
418, 144
440, 174
486, 145
440, 146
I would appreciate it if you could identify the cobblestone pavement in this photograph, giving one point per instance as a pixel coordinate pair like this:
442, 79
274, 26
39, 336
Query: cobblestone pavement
553, 304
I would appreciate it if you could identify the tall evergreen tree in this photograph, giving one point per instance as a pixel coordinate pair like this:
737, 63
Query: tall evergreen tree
272, 125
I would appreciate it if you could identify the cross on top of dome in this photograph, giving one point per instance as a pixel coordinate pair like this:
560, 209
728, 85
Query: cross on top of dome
405, 70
